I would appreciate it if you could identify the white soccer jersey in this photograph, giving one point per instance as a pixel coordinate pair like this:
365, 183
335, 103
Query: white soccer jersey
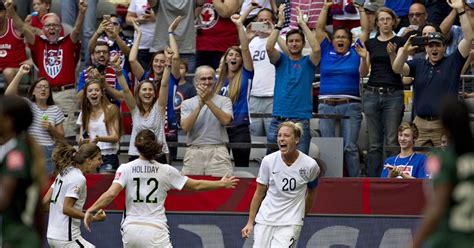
71, 184
146, 186
284, 203
263, 82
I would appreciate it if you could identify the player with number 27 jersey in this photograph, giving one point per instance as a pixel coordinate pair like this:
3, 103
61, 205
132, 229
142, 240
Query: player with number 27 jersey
147, 183
72, 183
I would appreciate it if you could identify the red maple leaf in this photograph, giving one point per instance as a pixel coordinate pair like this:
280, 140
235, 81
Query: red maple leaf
206, 15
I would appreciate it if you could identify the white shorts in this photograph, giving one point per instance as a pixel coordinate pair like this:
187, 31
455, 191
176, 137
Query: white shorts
145, 235
276, 236
76, 243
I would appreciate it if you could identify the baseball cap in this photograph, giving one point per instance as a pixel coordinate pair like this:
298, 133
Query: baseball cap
436, 37
373, 6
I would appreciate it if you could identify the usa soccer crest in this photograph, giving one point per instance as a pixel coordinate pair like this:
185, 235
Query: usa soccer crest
208, 16
53, 62
303, 172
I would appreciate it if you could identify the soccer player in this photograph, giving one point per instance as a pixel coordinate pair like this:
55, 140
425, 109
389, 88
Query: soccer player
146, 184
286, 187
449, 219
22, 174
67, 195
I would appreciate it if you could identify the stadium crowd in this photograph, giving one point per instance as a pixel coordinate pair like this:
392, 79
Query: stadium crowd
246, 57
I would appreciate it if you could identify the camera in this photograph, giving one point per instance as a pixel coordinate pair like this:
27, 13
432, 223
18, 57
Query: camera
100, 67
419, 41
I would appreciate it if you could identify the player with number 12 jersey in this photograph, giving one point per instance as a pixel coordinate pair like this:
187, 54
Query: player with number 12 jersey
146, 184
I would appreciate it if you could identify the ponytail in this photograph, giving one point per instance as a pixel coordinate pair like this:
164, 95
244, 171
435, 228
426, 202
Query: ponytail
65, 155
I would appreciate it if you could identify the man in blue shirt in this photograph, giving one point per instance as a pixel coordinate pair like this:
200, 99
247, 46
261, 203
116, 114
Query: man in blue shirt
293, 78
435, 77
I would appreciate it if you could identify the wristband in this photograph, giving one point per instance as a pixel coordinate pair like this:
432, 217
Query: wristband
278, 28
172, 33
118, 72
462, 13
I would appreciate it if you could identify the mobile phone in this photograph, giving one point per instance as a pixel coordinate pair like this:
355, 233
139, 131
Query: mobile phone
106, 17
419, 41
359, 2
470, 3
260, 26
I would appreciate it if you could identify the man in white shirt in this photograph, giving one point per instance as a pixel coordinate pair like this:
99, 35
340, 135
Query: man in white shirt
261, 94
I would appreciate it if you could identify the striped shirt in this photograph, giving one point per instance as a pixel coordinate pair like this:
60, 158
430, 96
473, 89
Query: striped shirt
311, 8
53, 114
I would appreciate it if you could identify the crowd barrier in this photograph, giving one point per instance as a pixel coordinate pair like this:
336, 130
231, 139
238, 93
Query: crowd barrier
346, 196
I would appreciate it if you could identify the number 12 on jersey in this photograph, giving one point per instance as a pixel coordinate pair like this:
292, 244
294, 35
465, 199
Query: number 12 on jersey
149, 197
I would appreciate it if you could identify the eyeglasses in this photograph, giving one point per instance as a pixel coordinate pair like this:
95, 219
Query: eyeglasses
206, 79
385, 19
52, 25
42, 87
116, 23
417, 14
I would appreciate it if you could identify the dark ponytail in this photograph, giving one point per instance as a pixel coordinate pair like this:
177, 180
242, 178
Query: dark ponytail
455, 120
147, 145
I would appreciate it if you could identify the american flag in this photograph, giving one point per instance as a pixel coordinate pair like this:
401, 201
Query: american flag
311, 8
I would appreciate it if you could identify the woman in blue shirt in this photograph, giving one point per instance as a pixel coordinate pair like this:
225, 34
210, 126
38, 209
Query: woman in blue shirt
341, 67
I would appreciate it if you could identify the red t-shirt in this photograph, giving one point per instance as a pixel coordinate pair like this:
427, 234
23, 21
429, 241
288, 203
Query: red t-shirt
57, 61
214, 32
12, 48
